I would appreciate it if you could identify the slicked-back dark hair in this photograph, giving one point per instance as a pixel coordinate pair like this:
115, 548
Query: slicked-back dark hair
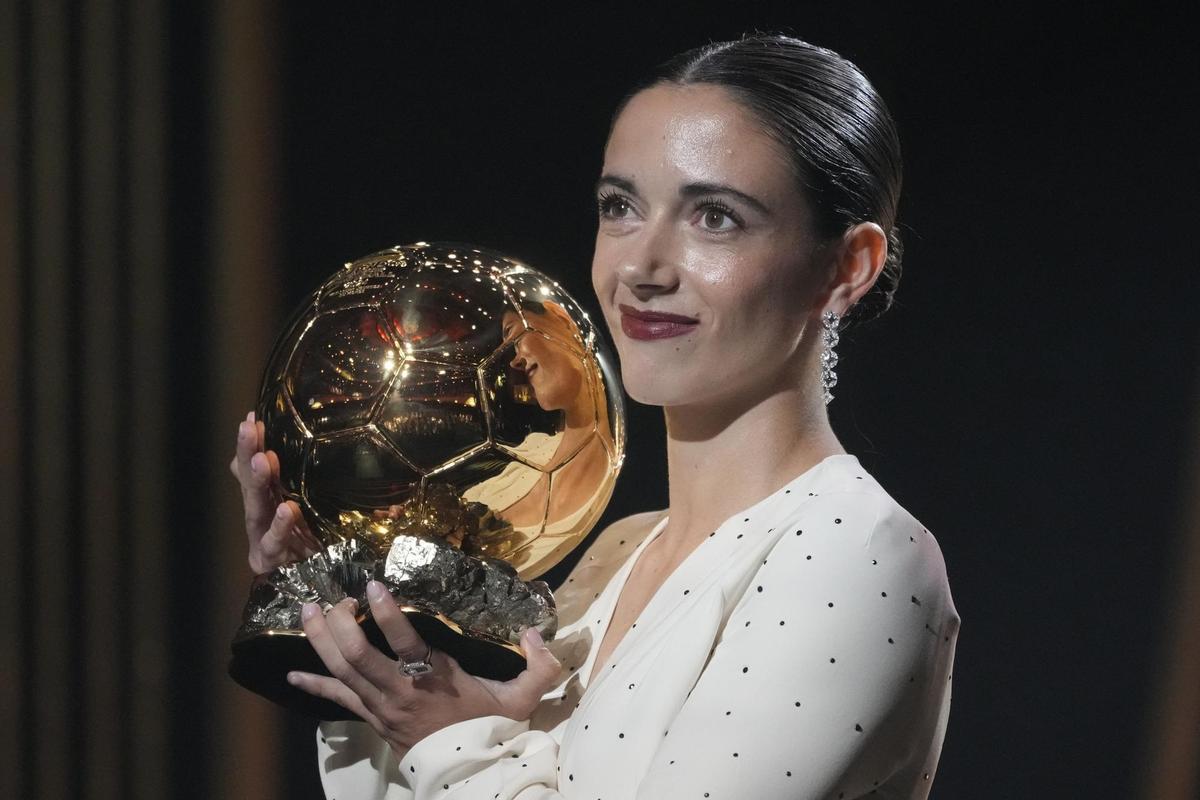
838, 133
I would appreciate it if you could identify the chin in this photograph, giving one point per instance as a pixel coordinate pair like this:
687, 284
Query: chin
651, 385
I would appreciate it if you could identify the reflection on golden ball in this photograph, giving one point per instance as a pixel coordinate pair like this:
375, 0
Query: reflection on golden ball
444, 389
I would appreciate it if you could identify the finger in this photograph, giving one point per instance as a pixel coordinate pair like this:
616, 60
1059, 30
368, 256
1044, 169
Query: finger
541, 673
280, 539
247, 446
260, 471
272, 467
361, 655
404, 640
257, 499
317, 628
335, 690
260, 430
302, 531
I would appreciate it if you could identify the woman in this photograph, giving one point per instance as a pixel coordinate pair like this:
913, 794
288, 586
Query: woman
557, 380
784, 628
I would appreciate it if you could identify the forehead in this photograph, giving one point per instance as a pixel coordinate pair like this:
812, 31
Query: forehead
697, 132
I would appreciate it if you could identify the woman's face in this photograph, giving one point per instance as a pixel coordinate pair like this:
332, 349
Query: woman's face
554, 373
701, 218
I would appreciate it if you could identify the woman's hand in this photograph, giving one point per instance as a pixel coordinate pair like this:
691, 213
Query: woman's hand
277, 532
402, 709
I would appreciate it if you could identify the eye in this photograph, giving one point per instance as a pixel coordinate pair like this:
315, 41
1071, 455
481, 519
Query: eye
717, 217
613, 205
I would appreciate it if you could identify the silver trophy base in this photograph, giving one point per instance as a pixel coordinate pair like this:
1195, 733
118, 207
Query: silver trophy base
471, 608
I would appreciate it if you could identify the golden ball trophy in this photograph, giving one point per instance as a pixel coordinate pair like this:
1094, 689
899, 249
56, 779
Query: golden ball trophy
449, 422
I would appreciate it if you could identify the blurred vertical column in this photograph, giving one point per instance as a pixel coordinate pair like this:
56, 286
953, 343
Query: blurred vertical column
46, 608
1171, 753
83, 354
12, 479
146, 447
242, 319
100, 381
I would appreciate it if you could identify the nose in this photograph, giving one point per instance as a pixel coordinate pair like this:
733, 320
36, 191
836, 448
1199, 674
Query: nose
520, 355
648, 260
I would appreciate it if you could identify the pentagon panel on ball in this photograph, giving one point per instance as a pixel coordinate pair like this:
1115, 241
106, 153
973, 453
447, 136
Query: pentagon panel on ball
341, 369
433, 413
450, 422
355, 472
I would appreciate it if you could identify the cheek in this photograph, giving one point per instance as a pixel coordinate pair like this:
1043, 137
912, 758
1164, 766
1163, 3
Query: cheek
600, 271
557, 382
604, 280
754, 298
567, 375
734, 288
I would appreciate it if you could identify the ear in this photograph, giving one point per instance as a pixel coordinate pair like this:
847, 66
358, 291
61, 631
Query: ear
857, 263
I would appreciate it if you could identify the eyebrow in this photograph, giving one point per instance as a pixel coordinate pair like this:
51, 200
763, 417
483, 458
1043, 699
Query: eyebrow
687, 190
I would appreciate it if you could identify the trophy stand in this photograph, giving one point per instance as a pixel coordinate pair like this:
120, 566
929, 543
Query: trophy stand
448, 422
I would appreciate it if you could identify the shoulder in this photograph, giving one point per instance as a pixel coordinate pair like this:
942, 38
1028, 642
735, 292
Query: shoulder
601, 560
619, 539
856, 528
615, 543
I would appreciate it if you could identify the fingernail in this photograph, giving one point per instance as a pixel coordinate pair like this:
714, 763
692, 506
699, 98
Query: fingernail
309, 610
282, 512
250, 416
535, 638
375, 591
293, 678
353, 604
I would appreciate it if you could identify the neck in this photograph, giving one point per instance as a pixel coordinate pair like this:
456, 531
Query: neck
723, 458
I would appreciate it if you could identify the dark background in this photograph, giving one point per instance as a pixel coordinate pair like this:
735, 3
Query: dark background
1031, 397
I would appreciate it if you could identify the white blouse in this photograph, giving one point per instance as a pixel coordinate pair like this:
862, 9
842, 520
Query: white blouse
803, 650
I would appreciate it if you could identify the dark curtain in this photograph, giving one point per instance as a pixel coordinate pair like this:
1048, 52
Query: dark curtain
175, 176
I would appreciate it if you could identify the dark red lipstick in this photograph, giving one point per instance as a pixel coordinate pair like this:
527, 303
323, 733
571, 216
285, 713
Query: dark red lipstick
654, 324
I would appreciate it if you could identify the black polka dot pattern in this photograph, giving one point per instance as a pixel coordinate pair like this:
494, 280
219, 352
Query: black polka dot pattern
802, 628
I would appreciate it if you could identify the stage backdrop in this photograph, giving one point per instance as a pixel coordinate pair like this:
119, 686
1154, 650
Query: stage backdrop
173, 178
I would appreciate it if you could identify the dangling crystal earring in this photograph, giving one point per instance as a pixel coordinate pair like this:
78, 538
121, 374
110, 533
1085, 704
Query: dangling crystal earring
829, 359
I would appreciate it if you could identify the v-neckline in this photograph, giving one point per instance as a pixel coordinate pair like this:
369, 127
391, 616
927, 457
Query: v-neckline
622, 576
